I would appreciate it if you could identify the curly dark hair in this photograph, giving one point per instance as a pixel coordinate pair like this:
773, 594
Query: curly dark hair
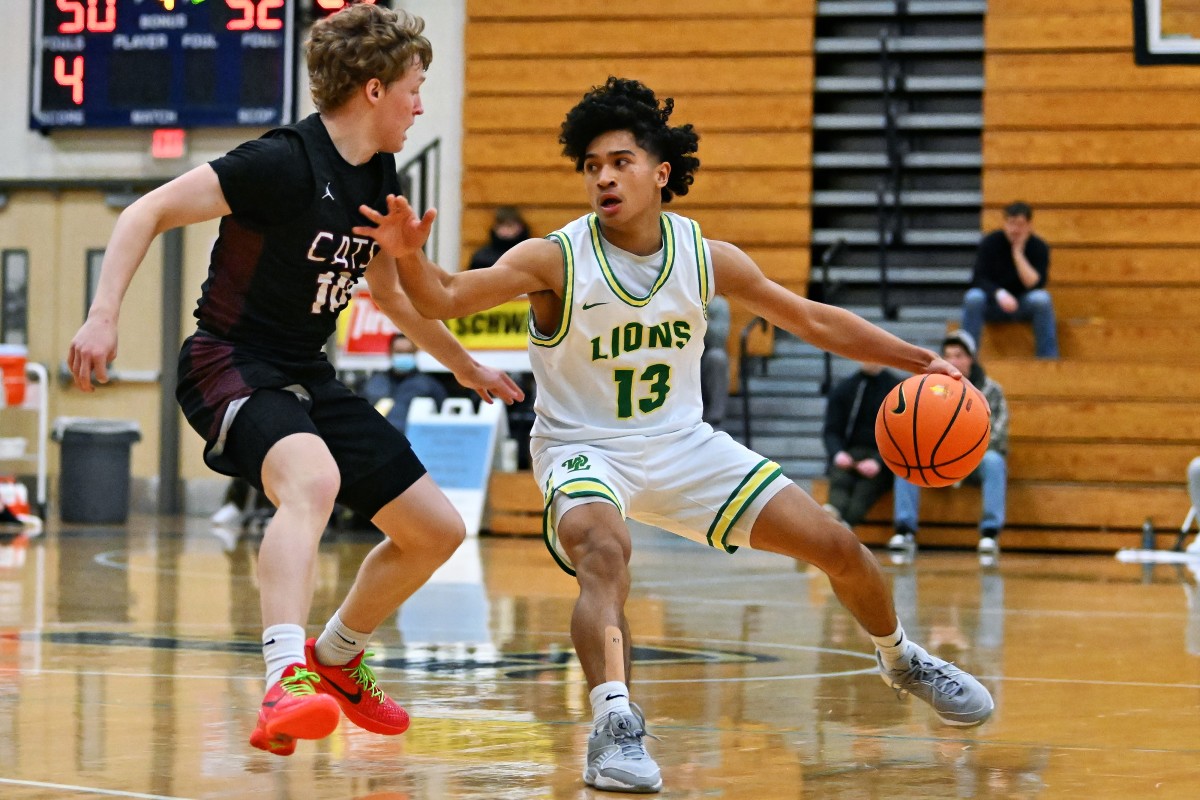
628, 105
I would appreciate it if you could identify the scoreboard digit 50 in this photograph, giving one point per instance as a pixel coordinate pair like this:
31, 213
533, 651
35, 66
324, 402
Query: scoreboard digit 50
153, 63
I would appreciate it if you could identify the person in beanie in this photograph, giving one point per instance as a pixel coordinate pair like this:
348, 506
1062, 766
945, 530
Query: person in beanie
992, 473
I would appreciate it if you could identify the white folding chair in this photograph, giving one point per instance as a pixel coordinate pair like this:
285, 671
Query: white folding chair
1194, 547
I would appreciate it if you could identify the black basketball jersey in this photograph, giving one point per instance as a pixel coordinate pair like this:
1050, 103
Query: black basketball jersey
286, 260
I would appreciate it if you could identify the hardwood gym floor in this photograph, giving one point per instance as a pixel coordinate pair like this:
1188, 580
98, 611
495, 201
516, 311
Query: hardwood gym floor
129, 667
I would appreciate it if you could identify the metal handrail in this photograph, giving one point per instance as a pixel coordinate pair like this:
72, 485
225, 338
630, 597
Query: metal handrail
742, 355
827, 293
420, 182
890, 216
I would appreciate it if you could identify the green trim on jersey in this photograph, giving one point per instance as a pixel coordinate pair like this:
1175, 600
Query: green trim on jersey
564, 324
733, 508
668, 234
578, 487
702, 262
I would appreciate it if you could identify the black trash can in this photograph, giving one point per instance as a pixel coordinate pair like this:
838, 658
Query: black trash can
93, 478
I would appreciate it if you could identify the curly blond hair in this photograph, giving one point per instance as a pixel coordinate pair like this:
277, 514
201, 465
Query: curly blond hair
359, 43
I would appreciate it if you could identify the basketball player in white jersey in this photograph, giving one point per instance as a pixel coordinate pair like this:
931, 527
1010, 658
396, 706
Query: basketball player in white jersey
616, 332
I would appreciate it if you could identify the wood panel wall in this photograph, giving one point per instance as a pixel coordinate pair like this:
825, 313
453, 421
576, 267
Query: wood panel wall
1108, 154
741, 73
1106, 151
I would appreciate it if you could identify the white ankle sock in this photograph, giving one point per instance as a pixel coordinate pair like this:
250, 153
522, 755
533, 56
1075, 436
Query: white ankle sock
283, 645
611, 696
338, 645
893, 648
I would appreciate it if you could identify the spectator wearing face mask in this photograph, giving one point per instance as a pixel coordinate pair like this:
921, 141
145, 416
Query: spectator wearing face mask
507, 230
392, 391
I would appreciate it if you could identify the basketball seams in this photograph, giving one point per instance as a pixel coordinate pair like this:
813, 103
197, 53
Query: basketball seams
892, 437
933, 466
943, 419
916, 410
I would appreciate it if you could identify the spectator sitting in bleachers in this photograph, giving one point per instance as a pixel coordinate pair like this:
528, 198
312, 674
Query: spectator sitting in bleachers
508, 230
857, 477
392, 390
959, 349
1012, 267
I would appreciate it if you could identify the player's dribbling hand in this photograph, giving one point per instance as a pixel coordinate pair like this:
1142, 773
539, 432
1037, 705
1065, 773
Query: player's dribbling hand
940, 366
91, 351
490, 383
400, 232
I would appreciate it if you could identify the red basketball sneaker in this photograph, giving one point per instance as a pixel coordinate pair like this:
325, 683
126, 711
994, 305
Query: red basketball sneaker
293, 710
354, 687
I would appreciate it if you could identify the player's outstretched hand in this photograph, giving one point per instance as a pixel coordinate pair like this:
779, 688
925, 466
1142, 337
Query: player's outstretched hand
400, 232
91, 351
490, 383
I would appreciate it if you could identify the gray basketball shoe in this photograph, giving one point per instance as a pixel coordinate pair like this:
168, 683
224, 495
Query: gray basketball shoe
617, 760
957, 697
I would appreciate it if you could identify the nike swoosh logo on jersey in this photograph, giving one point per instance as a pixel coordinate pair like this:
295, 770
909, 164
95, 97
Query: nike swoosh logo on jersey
586, 306
355, 698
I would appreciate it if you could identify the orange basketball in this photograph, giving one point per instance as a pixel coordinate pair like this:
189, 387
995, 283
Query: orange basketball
933, 430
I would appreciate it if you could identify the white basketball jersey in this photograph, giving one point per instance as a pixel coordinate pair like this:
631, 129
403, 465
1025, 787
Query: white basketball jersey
625, 358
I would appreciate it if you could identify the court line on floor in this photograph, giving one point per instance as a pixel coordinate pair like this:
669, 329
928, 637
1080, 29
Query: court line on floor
91, 790
449, 679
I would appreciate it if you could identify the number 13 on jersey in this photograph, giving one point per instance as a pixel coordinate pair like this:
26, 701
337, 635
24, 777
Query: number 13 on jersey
652, 385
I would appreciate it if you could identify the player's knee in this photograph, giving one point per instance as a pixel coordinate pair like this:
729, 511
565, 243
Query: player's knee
596, 552
314, 490
842, 557
975, 298
447, 537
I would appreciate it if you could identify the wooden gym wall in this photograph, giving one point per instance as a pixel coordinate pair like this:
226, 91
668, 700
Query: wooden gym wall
1106, 151
1108, 154
741, 73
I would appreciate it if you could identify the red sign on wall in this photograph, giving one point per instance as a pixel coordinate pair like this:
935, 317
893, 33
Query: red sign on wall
363, 329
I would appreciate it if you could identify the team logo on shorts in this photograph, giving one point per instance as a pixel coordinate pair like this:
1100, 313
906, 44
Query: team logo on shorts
576, 463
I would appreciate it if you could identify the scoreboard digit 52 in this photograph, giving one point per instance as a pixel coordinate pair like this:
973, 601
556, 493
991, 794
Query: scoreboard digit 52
153, 63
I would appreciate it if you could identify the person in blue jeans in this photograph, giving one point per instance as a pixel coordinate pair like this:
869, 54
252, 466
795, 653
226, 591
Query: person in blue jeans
959, 349
1012, 267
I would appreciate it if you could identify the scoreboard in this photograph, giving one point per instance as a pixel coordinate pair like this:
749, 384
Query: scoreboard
156, 63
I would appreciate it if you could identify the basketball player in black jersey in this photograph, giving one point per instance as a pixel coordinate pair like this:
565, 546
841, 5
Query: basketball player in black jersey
253, 380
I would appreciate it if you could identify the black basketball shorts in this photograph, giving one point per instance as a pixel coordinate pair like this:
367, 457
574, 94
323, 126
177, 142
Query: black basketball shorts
242, 406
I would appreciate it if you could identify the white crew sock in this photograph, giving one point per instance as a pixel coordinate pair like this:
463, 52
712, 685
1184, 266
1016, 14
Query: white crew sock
283, 645
607, 697
894, 649
338, 645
